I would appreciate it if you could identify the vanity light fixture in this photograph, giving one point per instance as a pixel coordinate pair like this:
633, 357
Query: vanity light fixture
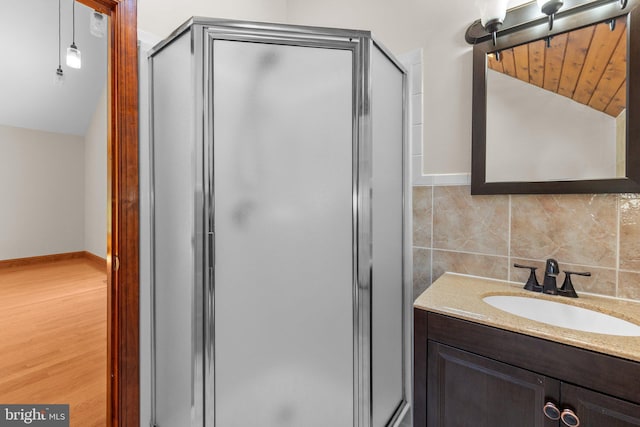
549, 8
492, 13
58, 78
74, 56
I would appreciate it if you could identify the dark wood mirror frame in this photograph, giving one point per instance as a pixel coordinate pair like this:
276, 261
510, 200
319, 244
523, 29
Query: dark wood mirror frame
123, 359
585, 13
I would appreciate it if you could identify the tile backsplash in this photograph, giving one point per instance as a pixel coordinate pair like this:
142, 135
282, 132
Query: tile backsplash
486, 235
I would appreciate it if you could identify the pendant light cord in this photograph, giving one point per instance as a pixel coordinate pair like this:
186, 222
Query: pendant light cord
74, 23
59, 37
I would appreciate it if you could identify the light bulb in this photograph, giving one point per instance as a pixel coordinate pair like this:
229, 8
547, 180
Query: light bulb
492, 13
74, 57
58, 78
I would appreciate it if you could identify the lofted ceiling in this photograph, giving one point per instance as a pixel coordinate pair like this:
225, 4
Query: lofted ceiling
587, 65
29, 51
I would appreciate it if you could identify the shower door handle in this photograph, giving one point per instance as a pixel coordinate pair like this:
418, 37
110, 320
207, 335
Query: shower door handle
211, 248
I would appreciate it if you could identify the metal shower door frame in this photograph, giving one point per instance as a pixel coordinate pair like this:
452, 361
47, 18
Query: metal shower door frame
302, 37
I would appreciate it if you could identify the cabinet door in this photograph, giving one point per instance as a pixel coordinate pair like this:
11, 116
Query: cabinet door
599, 410
464, 389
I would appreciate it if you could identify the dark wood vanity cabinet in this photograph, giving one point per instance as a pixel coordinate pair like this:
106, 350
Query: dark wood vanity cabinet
464, 389
598, 409
471, 375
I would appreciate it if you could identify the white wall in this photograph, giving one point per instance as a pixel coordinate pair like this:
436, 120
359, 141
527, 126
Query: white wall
161, 17
95, 173
406, 25
530, 141
42, 193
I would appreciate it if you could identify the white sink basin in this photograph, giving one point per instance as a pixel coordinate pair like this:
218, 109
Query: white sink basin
563, 315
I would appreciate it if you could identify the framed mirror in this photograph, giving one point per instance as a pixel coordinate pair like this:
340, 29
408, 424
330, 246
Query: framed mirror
559, 111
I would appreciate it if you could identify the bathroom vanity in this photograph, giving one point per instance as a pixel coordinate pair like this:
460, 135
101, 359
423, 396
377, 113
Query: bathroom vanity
476, 365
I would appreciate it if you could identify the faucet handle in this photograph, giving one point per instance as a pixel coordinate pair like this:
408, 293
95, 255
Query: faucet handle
567, 289
532, 282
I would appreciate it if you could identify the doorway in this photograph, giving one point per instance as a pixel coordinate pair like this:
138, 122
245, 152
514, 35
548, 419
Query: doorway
122, 213
53, 166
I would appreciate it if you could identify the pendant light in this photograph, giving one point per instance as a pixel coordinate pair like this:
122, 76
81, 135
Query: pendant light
74, 57
58, 78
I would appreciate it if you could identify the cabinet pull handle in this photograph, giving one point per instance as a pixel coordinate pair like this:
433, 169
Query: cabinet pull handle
551, 411
569, 418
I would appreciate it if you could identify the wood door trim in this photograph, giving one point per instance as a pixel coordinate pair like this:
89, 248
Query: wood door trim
123, 359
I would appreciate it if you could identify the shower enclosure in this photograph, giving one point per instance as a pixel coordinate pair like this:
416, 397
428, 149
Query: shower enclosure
281, 262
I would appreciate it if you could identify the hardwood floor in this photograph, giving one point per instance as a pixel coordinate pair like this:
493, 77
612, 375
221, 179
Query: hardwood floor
53, 338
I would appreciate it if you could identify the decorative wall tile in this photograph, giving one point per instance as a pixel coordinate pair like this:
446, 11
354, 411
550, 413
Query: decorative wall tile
469, 235
421, 270
629, 285
478, 265
602, 280
470, 223
422, 202
576, 228
630, 232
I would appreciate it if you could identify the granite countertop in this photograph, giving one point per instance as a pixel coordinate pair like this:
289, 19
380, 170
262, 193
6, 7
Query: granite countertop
460, 296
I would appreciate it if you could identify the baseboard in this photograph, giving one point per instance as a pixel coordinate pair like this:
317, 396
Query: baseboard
43, 259
95, 259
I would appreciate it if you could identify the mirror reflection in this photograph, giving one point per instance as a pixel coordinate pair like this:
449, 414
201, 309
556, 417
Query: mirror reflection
556, 107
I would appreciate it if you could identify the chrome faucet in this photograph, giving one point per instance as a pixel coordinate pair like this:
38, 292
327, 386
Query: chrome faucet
551, 271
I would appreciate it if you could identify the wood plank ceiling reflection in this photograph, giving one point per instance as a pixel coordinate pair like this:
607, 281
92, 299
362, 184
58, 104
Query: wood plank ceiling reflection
587, 65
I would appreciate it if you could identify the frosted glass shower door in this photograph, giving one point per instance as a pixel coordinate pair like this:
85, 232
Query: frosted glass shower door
283, 214
387, 331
